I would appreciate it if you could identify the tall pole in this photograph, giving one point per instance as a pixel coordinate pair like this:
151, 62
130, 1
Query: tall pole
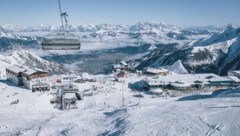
122, 92
139, 96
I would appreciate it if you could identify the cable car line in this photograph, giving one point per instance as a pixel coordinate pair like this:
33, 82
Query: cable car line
8, 37
61, 40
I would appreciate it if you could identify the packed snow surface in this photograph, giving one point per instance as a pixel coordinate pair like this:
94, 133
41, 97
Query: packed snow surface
26, 113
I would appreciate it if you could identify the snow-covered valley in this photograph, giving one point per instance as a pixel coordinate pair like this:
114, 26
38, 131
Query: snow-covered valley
201, 49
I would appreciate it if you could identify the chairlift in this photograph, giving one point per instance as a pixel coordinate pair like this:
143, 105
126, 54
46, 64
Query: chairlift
62, 40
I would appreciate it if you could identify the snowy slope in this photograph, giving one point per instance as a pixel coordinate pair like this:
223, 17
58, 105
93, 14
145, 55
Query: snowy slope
214, 49
216, 53
206, 114
177, 67
25, 58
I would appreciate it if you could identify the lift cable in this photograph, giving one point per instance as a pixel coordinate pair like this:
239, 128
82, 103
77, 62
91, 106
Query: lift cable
8, 37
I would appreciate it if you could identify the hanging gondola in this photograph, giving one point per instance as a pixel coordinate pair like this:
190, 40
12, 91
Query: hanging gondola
61, 40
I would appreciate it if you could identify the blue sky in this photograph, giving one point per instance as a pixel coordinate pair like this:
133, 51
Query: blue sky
178, 12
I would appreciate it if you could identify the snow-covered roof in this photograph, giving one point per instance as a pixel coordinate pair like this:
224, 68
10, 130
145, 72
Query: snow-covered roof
187, 78
27, 71
155, 70
16, 68
156, 90
184, 84
70, 95
30, 71
154, 83
40, 70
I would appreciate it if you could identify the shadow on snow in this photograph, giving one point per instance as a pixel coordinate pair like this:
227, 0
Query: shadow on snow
224, 93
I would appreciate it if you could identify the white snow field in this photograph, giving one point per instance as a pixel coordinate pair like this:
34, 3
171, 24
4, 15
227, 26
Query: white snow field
28, 114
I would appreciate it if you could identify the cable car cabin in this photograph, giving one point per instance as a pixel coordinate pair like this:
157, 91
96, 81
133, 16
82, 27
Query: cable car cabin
61, 41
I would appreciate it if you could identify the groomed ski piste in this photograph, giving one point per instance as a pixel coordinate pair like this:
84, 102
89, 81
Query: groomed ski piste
28, 114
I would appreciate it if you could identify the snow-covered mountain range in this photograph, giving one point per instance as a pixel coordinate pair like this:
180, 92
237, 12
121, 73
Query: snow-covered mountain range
93, 28
141, 32
200, 49
216, 53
